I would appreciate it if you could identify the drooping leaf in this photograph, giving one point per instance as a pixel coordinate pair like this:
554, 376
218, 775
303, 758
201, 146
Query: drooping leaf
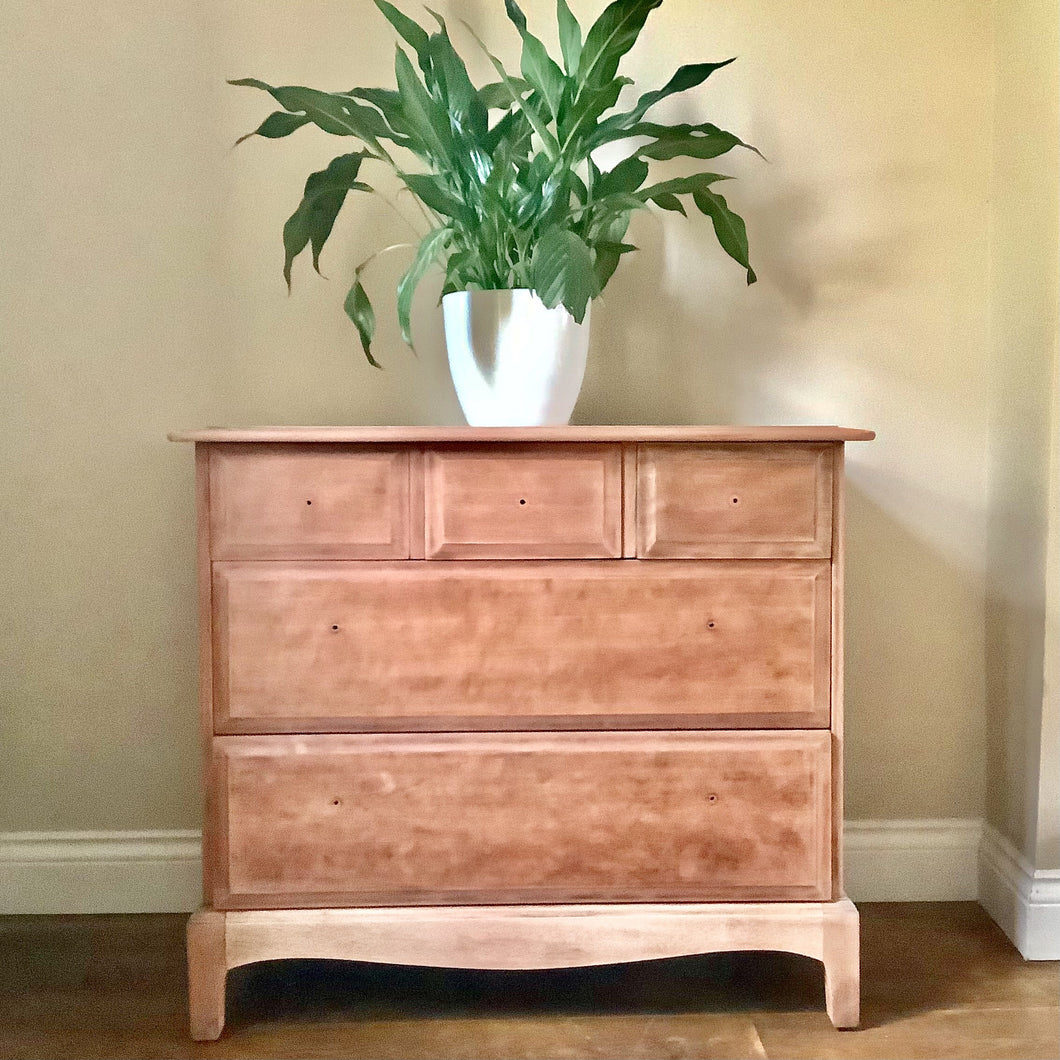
680, 185
606, 257
611, 36
686, 77
277, 124
496, 95
324, 194
627, 176
570, 37
359, 310
689, 141
729, 227
430, 247
670, 202
388, 103
334, 113
562, 271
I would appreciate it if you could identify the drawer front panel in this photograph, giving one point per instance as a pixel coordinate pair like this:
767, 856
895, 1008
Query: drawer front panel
622, 644
309, 502
524, 502
520, 817
736, 501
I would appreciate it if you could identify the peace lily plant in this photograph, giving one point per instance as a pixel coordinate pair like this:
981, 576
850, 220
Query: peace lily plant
507, 174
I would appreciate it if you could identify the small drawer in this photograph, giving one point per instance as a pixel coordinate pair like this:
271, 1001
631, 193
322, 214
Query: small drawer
734, 501
524, 502
457, 818
308, 502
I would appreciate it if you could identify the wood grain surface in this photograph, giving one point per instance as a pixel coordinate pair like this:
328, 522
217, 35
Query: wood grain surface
338, 646
332, 820
309, 502
524, 502
734, 501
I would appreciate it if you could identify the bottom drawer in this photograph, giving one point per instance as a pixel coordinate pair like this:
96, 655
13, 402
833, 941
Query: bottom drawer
471, 818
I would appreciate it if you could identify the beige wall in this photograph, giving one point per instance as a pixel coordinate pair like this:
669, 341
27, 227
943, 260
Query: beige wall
142, 292
1024, 714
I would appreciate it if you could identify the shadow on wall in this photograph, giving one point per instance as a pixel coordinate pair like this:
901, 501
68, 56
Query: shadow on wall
914, 640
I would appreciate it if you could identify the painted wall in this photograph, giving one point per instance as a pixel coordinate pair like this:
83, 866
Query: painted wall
1021, 616
143, 292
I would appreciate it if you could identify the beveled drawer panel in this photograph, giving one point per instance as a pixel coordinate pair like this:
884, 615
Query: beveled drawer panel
459, 818
309, 502
524, 502
487, 645
738, 501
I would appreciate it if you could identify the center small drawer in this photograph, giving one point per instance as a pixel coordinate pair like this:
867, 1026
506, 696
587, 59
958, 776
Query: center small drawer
523, 502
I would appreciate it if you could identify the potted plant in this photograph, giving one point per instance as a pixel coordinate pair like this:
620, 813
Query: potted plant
525, 224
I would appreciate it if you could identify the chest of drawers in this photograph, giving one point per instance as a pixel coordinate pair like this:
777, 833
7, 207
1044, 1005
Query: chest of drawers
520, 698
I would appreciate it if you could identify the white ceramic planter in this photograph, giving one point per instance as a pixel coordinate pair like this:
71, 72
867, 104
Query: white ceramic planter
514, 361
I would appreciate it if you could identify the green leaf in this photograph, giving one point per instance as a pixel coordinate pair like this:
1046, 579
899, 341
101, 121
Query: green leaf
627, 176
496, 95
427, 122
689, 141
430, 190
680, 185
542, 73
467, 113
334, 113
325, 192
430, 247
526, 106
562, 271
570, 37
359, 310
516, 15
587, 108
729, 227
409, 30
388, 103
611, 36
669, 202
277, 124
606, 256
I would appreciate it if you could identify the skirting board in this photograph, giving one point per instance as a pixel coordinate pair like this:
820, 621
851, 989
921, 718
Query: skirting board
159, 872
1024, 901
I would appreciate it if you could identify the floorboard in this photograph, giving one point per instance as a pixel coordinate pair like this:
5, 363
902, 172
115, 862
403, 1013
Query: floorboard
938, 980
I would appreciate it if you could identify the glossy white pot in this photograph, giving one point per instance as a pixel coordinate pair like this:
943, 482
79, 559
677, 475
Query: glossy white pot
514, 361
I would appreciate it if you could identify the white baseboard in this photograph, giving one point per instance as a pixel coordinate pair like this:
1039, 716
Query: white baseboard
159, 872
912, 861
1023, 900
100, 872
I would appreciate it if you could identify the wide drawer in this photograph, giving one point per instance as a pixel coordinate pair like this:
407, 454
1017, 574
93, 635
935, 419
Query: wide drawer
309, 502
523, 502
734, 501
486, 645
521, 817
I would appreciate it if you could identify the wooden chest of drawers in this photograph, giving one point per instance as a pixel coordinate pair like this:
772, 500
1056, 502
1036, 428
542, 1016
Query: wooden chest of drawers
520, 698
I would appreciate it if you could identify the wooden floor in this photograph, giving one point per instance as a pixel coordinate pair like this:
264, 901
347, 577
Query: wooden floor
939, 980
